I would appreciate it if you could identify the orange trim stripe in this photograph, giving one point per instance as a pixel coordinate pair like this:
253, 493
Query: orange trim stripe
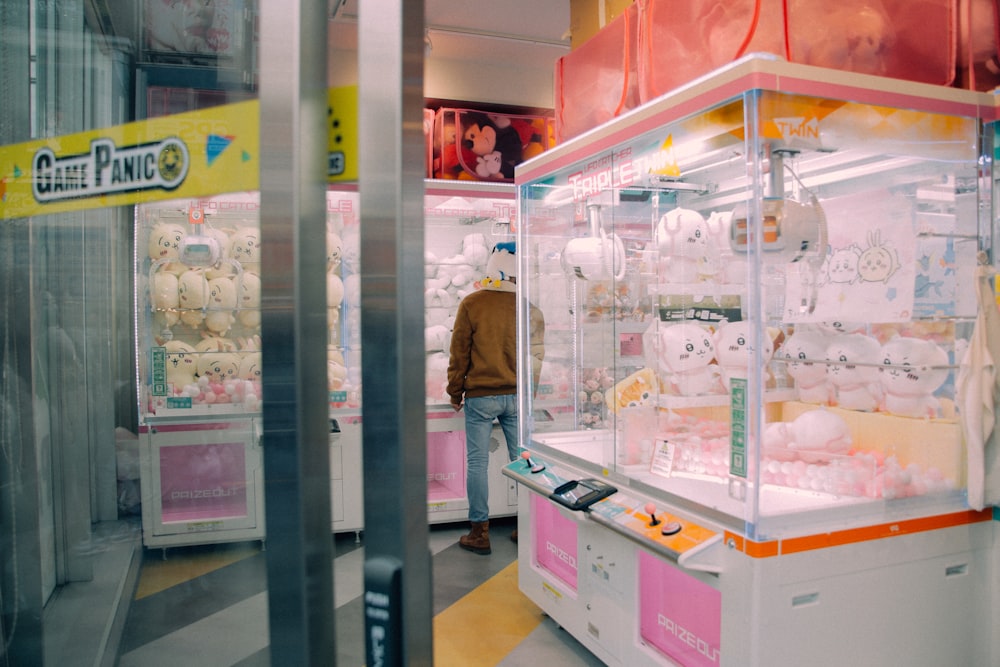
855, 535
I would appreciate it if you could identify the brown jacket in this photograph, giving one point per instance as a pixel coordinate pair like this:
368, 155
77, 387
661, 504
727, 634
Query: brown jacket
483, 359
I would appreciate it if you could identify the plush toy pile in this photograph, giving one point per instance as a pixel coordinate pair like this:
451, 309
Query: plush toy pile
473, 145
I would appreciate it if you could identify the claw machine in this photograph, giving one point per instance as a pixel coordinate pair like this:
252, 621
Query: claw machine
758, 300
463, 220
197, 292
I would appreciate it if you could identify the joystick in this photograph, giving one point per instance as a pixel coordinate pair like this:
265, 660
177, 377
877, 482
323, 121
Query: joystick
669, 527
651, 511
535, 468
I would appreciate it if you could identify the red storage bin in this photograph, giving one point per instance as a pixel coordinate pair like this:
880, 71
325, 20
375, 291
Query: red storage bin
680, 40
483, 146
901, 39
429, 143
598, 80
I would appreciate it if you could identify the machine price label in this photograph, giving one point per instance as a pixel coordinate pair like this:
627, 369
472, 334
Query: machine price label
159, 371
737, 434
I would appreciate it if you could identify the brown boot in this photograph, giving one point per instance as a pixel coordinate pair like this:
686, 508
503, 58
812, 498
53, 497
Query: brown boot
478, 539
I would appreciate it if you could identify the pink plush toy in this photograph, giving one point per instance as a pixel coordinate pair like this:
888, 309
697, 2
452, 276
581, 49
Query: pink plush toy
810, 376
813, 436
685, 353
854, 371
914, 369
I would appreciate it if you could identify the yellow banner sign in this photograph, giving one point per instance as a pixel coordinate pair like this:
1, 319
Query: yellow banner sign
186, 155
342, 138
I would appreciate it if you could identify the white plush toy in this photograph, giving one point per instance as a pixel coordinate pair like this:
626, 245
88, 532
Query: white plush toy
165, 298
854, 371
811, 383
351, 258
218, 367
336, 371
734, 351
249, 300
181, 364
463, 275
334, 297
430, 264
224, 267
437, 377
914, 369
334, 250
687, 251
732, 268
813, 436
219, 318
437, 338
193, 292
685, 356
475, 250
244, 247
212, 343
250, 366
352, 290
164, 245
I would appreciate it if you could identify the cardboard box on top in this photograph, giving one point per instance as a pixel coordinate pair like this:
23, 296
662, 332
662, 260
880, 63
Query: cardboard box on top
587, 17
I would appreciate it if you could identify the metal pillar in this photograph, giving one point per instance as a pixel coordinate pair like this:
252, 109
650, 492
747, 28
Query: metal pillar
293, 104
398, 599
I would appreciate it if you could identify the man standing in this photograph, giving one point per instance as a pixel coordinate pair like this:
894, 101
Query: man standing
482, 372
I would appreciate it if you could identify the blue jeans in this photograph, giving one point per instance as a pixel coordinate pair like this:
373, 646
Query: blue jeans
479, 415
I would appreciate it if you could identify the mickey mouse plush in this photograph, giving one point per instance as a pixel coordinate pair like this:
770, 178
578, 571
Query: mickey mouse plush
484, 137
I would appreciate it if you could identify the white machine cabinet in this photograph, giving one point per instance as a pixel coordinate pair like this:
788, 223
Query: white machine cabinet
198, 353
746, 446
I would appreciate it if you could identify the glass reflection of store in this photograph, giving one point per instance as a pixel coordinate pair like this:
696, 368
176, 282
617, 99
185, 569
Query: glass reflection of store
75, 162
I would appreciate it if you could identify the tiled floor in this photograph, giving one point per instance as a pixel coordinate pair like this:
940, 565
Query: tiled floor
208, 606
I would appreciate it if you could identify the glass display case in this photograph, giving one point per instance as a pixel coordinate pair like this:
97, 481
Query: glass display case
198, 356
758, 296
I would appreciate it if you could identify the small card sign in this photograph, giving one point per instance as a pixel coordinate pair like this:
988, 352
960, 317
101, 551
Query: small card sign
663, 457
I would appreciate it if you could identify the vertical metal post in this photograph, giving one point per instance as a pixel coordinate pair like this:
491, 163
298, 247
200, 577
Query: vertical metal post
398, 601
293, 105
